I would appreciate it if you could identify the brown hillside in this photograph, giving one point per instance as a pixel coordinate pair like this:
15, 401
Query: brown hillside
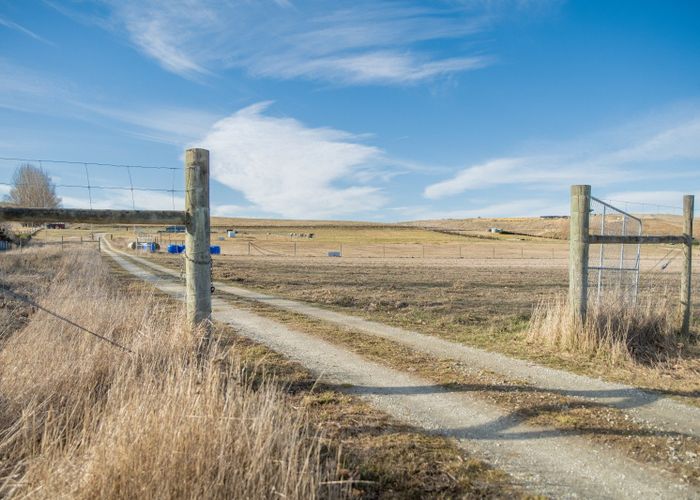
545, 227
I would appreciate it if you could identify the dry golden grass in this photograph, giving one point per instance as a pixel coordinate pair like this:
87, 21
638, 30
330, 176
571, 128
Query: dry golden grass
82, 419
642, 332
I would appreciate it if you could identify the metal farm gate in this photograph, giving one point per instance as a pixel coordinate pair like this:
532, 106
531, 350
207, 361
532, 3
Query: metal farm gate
617, 269
619, 235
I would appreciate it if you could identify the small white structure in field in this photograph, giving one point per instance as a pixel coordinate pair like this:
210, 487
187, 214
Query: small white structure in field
231, 233
495, 230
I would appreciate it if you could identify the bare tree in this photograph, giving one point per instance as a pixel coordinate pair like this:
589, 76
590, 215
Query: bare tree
33, 188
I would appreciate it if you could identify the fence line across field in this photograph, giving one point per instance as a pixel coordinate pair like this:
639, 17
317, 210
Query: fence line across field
194, 216
89, 186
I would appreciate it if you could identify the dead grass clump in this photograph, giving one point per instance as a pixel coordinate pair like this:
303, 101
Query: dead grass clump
613, 329
82, 419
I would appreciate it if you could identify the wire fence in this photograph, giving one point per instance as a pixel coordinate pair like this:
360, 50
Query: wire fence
84, 184
645, 207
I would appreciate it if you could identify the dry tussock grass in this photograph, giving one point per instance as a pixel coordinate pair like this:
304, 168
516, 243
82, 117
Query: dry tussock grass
614, 329
82, 419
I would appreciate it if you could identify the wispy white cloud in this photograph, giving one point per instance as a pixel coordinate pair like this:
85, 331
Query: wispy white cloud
18, 83
172, 125
373, 67
25, 31
286, 168
363, 42
30, 91
635, 158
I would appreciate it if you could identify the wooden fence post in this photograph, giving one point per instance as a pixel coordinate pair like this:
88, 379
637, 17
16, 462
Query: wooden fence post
686, 301
197, 257
578, 250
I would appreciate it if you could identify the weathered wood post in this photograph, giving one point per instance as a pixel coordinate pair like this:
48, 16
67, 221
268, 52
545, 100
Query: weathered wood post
686, 301
578, 250
197, 257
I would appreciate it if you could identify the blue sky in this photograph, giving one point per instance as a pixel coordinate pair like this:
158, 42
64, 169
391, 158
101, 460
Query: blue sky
373, 110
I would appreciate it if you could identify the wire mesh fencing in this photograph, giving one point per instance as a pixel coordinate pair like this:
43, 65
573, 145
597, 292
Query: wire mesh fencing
83, 184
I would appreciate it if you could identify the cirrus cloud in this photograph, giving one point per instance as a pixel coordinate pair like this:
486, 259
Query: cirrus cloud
649, 155
364, 42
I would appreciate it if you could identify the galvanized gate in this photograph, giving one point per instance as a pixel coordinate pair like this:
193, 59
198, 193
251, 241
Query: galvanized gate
617, 270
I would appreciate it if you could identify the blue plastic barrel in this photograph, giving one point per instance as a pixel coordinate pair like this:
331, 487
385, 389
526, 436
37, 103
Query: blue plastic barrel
215, 250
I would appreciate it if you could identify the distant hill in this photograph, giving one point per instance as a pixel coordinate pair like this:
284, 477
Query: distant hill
240, 222
546, 227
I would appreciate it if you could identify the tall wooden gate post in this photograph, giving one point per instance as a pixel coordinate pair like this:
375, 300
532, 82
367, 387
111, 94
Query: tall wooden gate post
197, 257
578, 249
685, 304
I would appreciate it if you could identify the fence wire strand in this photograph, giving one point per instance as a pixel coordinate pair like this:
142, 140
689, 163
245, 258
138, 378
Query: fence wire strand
33, 303
78, 163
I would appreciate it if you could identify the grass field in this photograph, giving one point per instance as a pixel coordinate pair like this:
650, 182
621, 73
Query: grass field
82, 418
365, 241
145, 423
476, 289
489, 307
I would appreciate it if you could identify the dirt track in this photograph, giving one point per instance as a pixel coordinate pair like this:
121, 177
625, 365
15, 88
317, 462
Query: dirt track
665, 414
543, 459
